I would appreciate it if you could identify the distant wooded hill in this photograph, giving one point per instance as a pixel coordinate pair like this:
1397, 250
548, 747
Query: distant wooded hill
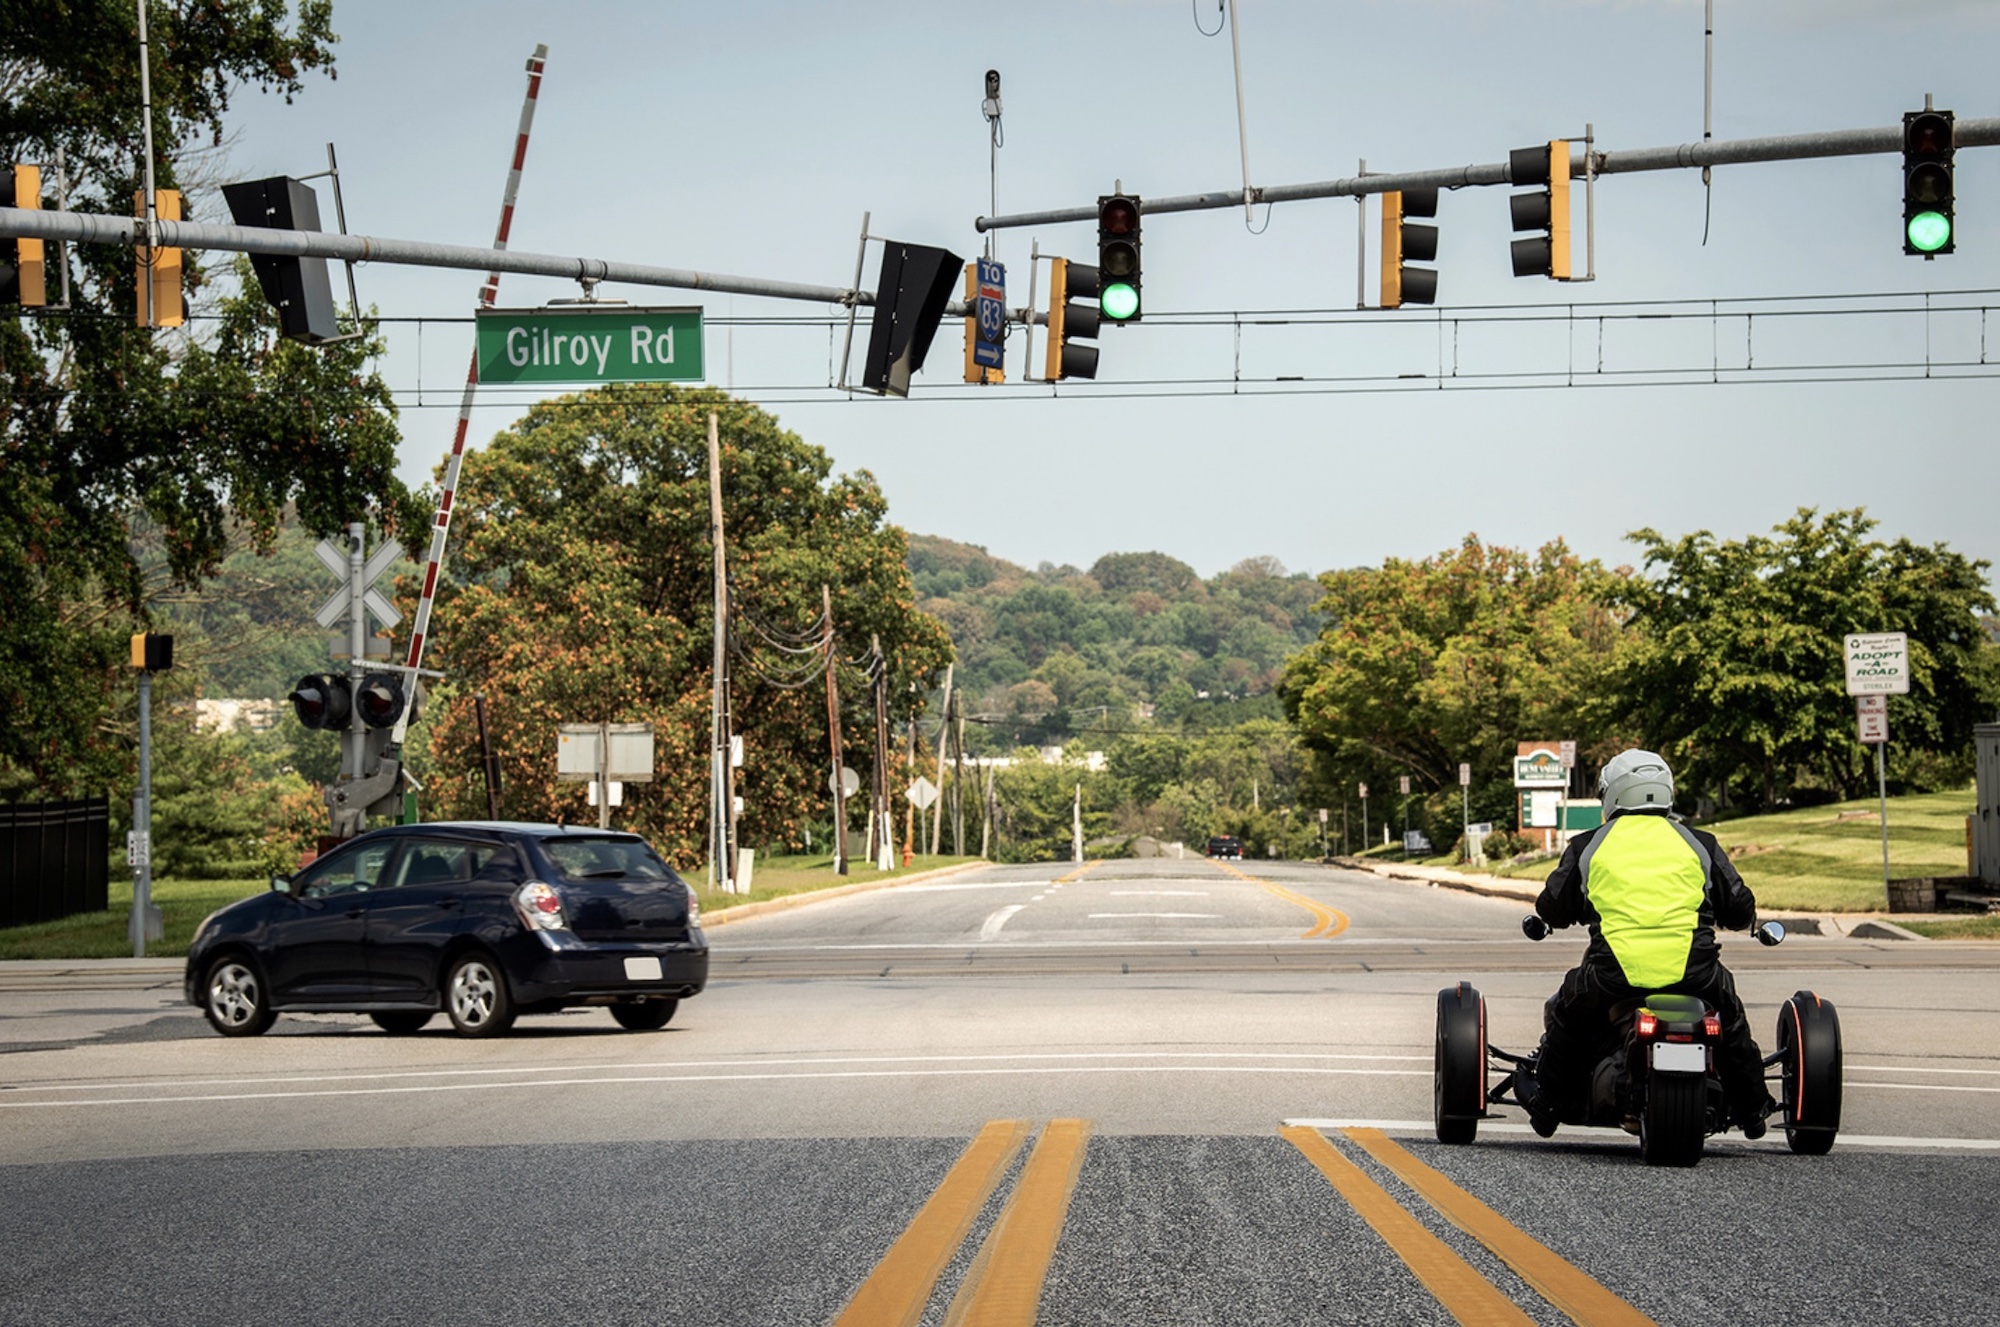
1057, 652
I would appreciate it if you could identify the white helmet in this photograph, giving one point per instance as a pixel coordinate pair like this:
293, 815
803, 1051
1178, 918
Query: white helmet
1635, 779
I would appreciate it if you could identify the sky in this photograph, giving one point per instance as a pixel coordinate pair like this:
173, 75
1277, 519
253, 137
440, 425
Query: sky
750, 137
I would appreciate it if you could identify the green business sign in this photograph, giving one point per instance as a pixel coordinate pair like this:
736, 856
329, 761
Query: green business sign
590, 345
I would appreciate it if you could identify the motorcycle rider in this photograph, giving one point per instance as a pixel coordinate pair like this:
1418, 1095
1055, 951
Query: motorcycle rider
1651, 889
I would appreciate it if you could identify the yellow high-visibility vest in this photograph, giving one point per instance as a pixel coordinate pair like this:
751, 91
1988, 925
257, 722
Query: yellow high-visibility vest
1647, 875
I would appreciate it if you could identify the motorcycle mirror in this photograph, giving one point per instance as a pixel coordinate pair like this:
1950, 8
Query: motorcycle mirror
1770, 933
1535, 928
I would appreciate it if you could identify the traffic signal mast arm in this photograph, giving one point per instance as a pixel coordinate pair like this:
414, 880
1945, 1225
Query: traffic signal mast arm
1983, 132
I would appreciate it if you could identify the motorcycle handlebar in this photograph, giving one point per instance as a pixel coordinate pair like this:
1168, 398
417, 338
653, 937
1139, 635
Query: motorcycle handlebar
1534, 927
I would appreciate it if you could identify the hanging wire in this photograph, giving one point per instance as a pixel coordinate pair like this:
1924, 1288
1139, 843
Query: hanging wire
1194, 8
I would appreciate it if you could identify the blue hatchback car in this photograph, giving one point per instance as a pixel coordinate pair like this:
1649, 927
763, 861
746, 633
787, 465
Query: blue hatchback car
482, 920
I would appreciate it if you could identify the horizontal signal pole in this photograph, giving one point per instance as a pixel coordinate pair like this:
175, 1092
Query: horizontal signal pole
1788, 147
95, 228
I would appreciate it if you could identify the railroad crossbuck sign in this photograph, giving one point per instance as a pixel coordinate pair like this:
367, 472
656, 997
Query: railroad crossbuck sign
1878, 664
333, 556
607, 343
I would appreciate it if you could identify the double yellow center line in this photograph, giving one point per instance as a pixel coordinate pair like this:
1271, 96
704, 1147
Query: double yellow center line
1003, 1286
1327, 922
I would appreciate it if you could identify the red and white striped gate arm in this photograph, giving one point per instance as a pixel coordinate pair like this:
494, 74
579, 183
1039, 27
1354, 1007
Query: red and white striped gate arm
489, 290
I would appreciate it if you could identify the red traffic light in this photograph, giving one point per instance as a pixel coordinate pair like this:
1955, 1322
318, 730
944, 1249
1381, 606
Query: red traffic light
380, 699
1118, 215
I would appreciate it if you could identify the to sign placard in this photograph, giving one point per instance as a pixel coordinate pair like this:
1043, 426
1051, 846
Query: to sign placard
590, 345
1877, 664
989, 351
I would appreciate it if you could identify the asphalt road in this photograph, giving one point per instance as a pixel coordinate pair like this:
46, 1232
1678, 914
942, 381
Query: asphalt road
1161, 1092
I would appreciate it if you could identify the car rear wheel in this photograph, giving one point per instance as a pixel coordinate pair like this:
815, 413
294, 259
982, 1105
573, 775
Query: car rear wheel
234, 999
645, 1015
475, 997
401, 1022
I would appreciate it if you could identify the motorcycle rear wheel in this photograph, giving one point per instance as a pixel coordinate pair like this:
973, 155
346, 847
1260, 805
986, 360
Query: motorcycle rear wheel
1458, 1084
1674, 1124
1809, 1063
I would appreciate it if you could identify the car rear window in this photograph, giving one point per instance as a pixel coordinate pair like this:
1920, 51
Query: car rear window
605, 859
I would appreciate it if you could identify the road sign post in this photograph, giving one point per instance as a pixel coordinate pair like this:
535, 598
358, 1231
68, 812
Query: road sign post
1878, 666
1464, 801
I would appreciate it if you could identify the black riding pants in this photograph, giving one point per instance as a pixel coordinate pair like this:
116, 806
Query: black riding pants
1577, 1033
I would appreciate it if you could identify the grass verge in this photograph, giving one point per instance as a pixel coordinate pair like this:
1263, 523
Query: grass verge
1966, 926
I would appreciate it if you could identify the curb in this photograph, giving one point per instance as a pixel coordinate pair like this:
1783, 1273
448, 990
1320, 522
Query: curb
764, 907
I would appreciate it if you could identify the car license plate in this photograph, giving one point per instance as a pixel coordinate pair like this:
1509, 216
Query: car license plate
642, 969
1676, 1057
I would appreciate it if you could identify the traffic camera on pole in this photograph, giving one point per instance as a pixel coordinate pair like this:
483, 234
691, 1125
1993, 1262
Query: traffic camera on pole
1404, 242
1073, 297
1546, 169
1118, 258
1927, 183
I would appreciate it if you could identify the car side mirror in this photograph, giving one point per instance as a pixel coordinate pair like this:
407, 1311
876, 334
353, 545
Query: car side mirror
1771, 933
1534, 927
281, 884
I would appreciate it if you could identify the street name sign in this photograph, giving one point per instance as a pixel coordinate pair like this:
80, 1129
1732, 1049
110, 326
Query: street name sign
1878, 663
589, 345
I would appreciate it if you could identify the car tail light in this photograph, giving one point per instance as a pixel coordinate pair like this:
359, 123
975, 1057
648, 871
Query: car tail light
694, 905
1648, 1026
1711, 1027
540, 907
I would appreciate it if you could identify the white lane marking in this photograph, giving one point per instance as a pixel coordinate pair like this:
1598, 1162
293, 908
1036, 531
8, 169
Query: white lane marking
1924, 1087
1207, 916
759, 1063
725, 1078
1159, 893
999, 919
976, 884
1913, 1069
1776, 1140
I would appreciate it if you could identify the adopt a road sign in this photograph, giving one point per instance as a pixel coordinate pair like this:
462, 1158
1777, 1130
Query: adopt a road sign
1877, 664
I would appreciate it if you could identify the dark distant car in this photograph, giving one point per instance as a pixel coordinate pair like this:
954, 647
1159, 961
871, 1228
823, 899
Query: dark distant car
485, 921
1226, 845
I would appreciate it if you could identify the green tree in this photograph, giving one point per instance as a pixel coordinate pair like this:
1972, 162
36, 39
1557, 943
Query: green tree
582, 591
1735, 671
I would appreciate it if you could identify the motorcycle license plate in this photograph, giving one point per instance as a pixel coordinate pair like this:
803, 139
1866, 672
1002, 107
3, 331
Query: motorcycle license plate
1680, 1057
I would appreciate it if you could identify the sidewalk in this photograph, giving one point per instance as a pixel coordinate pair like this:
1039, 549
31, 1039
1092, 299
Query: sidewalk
1853, 925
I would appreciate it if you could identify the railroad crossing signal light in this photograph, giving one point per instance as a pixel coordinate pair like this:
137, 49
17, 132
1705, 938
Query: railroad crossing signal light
298, 288
322, 700
1118, 258
22, 279
1404, 242
910, 297
1545, 168
1927, 183
380, 699
157, 272
1074, 290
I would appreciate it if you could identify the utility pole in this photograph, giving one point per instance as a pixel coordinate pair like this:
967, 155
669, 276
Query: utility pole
944, 728
881, 830
957, 777
833, 735
720, 867
986, 821
488, 761
910, 807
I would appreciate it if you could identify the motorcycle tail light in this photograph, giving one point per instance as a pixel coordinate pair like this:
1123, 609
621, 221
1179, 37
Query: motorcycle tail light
539, 906
1648, 1026
1711, 1027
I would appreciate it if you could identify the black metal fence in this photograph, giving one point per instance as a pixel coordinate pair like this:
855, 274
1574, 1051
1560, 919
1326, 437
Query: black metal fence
55, 859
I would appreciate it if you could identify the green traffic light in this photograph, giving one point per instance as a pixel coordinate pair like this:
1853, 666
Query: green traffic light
1929, 231
1118, 302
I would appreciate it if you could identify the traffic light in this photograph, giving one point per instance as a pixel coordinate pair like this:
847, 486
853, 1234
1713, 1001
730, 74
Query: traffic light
380, 699
1927, 185
1404, 242
157, 272
298, 288
1118, 258
152, 652
1073, 296
21, 272
322, 700
1545, 168
910, 297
